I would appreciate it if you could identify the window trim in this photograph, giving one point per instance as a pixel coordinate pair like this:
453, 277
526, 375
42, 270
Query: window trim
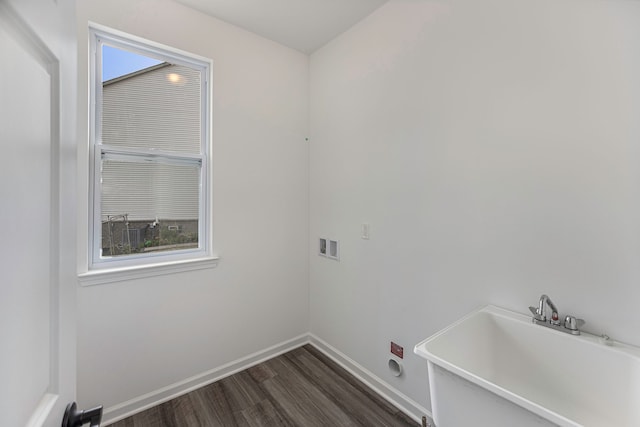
122, 274
102, 269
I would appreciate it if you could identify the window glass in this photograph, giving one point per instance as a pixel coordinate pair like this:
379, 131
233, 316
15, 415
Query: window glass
154, 107
157, 204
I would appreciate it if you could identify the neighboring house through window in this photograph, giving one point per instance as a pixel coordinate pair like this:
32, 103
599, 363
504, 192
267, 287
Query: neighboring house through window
150, 143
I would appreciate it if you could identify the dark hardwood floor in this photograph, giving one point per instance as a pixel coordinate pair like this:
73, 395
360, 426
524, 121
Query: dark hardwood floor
300, 388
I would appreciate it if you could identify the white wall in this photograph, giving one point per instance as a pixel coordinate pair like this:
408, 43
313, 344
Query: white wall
138, 336
494, 147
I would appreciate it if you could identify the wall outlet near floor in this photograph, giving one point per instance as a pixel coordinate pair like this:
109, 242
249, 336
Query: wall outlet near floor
397, 350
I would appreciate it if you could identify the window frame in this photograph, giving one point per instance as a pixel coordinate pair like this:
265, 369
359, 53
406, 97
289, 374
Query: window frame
162, 261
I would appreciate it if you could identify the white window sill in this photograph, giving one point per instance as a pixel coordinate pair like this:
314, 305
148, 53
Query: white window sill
100, 277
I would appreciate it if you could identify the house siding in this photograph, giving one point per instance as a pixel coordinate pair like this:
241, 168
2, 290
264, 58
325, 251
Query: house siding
146, 110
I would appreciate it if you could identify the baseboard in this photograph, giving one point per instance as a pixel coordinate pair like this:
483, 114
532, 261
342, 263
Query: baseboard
387, 392
151, 399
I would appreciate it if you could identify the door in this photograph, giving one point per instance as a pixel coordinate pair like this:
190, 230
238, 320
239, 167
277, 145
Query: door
37, 214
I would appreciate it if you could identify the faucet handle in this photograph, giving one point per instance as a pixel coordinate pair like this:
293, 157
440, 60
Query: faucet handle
536, 315
572, 323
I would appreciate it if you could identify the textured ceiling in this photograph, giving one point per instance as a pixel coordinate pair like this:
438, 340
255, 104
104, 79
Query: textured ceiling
304, 25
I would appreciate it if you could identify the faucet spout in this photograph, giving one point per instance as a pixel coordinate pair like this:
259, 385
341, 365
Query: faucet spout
545, 300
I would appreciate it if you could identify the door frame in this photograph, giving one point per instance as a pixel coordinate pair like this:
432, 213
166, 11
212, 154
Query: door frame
46, 30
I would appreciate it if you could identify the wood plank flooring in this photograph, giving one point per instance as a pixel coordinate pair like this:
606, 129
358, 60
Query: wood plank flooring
300, 388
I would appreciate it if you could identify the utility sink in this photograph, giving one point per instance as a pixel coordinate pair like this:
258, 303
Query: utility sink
495, 368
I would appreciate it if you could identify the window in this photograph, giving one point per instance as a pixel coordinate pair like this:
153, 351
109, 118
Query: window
150, 153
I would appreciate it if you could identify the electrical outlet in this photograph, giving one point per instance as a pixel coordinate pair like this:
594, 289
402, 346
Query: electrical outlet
397, 350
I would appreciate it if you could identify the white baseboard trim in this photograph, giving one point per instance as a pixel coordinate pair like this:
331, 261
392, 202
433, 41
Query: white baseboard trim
384, 390
151, 399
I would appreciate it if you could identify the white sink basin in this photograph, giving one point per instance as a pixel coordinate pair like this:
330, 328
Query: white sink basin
554, 378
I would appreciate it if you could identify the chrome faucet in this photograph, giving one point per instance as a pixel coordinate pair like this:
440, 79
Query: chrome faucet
541, 311
571, 324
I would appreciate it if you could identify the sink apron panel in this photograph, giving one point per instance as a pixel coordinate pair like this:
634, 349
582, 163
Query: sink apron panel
457, 402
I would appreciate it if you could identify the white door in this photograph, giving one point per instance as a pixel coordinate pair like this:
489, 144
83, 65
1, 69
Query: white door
37, 214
